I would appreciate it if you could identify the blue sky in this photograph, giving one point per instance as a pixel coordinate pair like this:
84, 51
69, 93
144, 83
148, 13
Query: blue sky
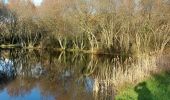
36, 2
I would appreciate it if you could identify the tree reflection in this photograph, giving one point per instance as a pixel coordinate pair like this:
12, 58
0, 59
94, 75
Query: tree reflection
20, 86
66, 75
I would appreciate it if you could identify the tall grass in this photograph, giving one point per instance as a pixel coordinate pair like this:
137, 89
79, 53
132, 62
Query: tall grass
122, 32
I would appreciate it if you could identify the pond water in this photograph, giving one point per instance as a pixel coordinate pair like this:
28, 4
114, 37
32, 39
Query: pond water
46, 75
42, 75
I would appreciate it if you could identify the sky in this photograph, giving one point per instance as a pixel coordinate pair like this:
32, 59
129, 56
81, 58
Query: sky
36, 2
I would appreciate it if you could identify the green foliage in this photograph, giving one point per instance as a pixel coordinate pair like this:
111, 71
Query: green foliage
155, 88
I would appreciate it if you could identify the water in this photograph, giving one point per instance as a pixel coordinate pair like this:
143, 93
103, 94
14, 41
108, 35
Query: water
48, 75
42, 75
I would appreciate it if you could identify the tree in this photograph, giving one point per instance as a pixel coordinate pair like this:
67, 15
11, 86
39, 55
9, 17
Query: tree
23, 8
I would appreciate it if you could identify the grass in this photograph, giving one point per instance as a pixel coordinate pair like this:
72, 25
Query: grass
155, 88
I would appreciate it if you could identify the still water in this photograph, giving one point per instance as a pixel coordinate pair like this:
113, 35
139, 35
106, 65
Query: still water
44, 75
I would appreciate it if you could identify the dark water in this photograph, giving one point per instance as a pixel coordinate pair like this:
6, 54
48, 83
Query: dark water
43, 75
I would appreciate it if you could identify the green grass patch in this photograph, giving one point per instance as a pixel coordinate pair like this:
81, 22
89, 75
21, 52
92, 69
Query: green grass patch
155, 88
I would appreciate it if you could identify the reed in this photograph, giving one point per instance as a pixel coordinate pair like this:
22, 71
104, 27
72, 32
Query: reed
114, 75
117, 31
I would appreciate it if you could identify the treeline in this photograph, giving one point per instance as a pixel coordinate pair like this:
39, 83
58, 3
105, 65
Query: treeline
100, 26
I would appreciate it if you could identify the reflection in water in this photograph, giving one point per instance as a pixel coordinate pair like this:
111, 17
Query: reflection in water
31, 75
65, 76
6, 67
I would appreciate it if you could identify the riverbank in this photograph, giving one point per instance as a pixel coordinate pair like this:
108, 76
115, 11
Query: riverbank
156, 87
86, 51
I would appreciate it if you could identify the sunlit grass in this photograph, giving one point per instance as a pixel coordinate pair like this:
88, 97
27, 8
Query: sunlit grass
157, 87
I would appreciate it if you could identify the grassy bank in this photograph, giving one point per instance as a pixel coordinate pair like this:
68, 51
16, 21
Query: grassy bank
157, 87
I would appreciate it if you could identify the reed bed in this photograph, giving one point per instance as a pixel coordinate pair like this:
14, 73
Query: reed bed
111, 77
113, 31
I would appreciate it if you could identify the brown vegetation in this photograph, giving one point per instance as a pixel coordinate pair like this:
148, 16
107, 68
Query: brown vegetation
126, 27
